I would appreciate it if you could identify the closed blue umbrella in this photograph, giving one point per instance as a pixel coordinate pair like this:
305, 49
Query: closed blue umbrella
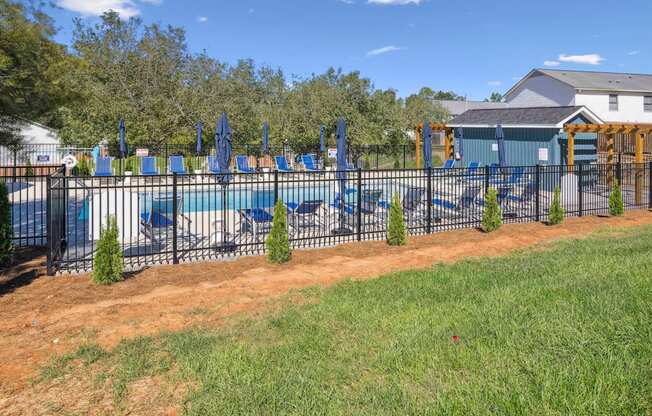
500, 139
200, 126
123, 145
223, 147
322, 143
265, 137
341, 172
427, 145
460, 142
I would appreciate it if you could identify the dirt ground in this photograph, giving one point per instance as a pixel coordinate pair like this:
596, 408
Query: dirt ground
41, 316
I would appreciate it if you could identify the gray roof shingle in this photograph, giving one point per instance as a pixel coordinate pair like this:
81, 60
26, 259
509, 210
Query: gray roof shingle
539, 116
610, 81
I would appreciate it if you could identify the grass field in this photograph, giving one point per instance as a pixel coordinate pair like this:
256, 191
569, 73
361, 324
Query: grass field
561, 330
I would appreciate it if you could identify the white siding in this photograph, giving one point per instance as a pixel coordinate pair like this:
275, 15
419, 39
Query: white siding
630, 107
541, 91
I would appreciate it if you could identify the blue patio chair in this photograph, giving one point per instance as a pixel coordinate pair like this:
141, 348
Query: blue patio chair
160, 214
256, 221
473, 168
213, 164
449, 164
305, 214
177, 165
503, 194
148, 166
413, 204
103, 167
463, 206
282, 164
242, 164
309, 163
514, 179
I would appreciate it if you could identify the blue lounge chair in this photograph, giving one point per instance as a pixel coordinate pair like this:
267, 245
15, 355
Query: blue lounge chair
282, 164
514, 179
473, 168
256, 221
502, 195
103, 167
148, 166
213, 164
177, 165
464, 206
305, 214
242, 164
161, 215
449, 164
309, 163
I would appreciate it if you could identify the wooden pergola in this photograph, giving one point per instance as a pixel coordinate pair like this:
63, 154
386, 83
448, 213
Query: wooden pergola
610, 130
448, 140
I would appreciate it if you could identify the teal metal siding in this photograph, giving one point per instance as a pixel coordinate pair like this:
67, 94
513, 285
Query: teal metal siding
522, 146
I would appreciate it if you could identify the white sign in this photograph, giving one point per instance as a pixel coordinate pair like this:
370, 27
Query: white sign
70, 161
142, 152
42, 158
332, 152
543, 154
494, 147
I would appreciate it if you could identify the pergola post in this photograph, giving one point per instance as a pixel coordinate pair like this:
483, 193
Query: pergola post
571, 148
640, 169
448, 143
610, 158
418, 145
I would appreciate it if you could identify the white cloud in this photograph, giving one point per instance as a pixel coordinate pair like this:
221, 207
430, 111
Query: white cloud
632, 53
394, 2
551, 63
589, 59
347, 1
125, 8
202, 19
385, 49
494, 83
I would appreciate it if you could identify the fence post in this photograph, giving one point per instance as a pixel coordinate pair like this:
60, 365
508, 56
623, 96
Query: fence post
48, 226
175, 257
275, 186
13, 179
580, 189
429, 192
359, 204
619, 173
649, 186
486, 180
403, 156
537, 197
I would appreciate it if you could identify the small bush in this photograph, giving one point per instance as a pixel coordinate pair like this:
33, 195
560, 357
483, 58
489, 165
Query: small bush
190, 164
397, 162
107, 268
278, 243
130, 164
616, 207
366, 162
396, 233
556, 212
30, 170
6, 232
492, 218
83, 167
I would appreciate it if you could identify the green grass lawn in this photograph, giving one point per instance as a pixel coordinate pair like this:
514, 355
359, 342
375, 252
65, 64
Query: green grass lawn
565, 330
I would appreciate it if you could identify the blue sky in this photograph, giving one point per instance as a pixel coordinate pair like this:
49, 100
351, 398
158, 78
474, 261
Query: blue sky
472, 47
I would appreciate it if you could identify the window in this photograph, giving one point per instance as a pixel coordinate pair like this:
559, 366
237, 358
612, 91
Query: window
647, 103
613, 102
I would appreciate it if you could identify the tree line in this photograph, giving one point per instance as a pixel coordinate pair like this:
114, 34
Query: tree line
146, 74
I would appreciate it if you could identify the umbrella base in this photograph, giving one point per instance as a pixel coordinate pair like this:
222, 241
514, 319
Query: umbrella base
342, 231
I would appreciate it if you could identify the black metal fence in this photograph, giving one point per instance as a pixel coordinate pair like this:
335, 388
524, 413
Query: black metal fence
182, 218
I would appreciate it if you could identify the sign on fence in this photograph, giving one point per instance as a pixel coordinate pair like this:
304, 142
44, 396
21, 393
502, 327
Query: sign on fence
43, 158
332, 152
142, 152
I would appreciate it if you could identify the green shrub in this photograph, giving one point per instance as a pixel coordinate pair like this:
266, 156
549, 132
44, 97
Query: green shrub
83, 167
30, 170
397, 162
278, 243
366, 162
492, 218
396, 233
107, 268
190, 164
616, 207
6, 232
556, 212
130, 164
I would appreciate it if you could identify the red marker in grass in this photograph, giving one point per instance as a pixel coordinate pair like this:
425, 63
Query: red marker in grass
456, 338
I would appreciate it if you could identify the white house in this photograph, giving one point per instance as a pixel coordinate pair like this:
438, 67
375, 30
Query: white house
614, 97
41, 145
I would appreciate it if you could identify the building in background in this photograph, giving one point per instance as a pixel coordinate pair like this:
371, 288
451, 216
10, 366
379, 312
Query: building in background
614, 97
40, 145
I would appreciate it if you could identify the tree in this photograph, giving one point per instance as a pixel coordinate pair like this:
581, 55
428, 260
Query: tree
424, 106
278, 243
495, 97
556, 212
6, 243
396, 233
108, 267
492, 217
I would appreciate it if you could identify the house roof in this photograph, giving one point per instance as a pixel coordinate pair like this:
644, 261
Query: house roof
594, 81
526, 117
455, 107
